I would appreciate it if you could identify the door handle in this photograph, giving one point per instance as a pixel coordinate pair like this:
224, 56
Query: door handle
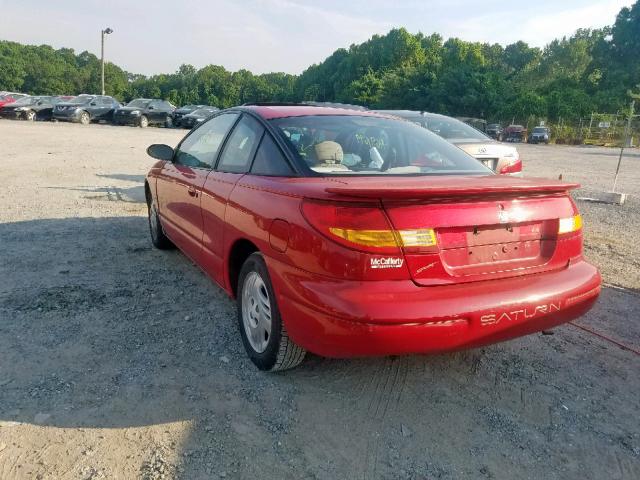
193, 192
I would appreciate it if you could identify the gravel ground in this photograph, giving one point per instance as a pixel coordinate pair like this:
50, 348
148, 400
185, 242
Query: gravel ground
119, 361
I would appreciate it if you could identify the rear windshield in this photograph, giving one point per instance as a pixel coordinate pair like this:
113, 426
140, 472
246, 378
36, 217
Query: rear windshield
453, 130
205, 111
350, 144
138, 102
26, 101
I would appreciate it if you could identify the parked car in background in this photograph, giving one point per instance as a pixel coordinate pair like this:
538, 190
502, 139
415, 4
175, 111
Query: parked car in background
198, 116
515, 134
349, 233
178, 113
495, 130
85, 109
143, 112
10, 97
540, 135
503, 159
30, 108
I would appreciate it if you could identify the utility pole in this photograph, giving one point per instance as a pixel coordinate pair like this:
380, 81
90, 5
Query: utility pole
104, 32
624, 142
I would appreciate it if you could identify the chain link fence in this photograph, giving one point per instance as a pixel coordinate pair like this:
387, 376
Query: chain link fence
603, 129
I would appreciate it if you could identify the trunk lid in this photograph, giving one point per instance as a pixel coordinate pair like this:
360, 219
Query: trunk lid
485, 227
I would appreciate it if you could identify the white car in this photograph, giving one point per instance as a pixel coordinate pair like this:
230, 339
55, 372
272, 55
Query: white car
501, 158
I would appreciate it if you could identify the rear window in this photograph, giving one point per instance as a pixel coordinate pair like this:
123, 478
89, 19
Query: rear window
454, 130
351, 144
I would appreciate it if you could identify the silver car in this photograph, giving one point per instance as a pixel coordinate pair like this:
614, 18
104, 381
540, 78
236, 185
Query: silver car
501, 158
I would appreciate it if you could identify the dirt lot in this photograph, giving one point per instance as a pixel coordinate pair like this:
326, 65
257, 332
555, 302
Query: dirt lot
120, 361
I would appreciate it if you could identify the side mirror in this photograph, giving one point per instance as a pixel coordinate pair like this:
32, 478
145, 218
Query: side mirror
160, 151
151, 107
93, 104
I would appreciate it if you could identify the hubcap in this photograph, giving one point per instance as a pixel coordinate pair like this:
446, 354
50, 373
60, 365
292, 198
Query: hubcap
256, 312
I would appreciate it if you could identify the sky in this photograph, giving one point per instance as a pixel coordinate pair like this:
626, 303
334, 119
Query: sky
157, 36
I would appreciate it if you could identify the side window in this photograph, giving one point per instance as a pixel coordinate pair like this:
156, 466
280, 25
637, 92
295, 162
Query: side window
106, 101
155, 104
242, 144
269, 160
200, 149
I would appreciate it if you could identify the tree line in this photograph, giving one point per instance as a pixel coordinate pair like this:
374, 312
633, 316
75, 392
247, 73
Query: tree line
592, 70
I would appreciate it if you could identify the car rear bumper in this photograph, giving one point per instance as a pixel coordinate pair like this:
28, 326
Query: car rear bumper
338, 318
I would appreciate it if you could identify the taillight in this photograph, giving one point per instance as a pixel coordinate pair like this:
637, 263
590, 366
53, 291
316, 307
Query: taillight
365, 228
570, 224
514, 167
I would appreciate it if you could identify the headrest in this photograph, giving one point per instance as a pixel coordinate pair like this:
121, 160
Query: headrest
329, 153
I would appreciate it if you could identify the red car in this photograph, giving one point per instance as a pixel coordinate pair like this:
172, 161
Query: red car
8, 97
350, 233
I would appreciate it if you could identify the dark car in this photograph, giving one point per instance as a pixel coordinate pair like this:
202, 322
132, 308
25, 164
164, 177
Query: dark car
86, 109
178, 113
197, 117
540, 135
495, 131
30, 108
143, 112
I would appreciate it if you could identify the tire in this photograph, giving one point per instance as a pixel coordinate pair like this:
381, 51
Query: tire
85, 118
168, 123
30, 116
143, 122
158, 237
267, 343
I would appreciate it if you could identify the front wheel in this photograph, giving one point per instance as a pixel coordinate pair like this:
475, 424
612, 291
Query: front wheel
158, 237
143, 122
85, 118
168, 123
30, 116
263, 333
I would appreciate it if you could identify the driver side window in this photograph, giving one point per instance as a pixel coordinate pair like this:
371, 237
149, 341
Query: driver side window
200, 148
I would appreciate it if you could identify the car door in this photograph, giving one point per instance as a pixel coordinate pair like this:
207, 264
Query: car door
103, 108
235, 160
179, 184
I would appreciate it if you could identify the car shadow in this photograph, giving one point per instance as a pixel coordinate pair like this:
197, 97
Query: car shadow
132, 194
99, 330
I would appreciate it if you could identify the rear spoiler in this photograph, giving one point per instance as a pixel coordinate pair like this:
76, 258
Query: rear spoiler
438, 187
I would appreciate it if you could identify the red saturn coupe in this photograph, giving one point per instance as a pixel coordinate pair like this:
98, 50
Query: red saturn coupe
351, 233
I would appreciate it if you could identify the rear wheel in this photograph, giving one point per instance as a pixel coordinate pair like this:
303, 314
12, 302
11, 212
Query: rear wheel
168, 123
85, 118
158, 237
143, 122
30, 116
263, 333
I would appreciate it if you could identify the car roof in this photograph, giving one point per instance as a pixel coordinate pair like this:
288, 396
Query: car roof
416, 114
282, 111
